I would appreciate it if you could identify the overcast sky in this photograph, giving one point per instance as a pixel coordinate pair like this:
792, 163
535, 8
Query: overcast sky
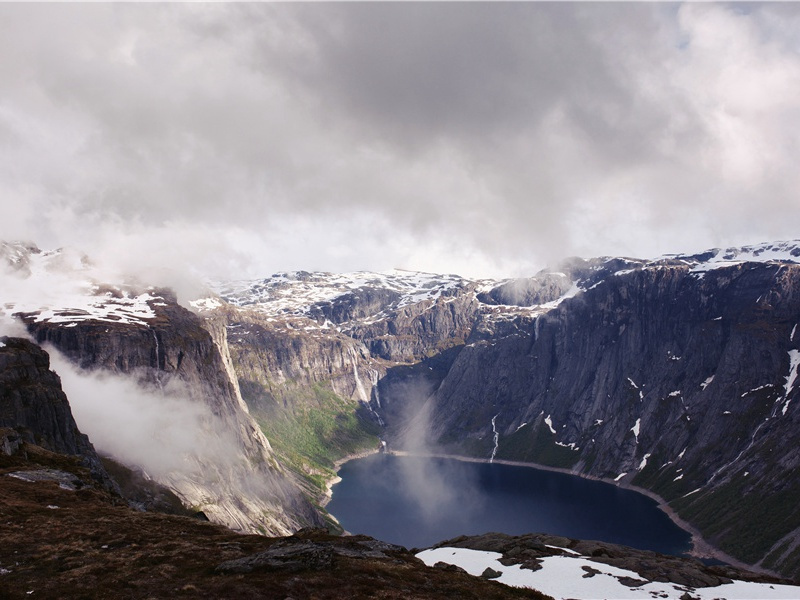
480, 139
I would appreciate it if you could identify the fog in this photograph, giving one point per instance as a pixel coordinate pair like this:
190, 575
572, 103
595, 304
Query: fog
434, 487
161, 432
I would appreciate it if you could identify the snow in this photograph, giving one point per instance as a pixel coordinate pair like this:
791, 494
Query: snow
520, 427
549, 422
620, 476
564, 577
707, 382
641, 394
674, 394
2, 345
203, 304
59, 289
635, 429
769, 252
294, 293
761, 387
678, 477
643, 464
496, 438
794, 361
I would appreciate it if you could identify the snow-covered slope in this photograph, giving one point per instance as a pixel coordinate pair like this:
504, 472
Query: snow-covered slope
577, 577
295, 293
59, 287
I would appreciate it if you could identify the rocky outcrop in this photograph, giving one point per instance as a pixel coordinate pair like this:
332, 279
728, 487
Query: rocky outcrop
420, 330
33, 405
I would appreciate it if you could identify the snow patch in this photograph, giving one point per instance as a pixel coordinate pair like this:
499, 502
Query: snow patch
643, 464
496, 438
620, 476
565, 577
635, 429
794, 361
707, 382
549, 422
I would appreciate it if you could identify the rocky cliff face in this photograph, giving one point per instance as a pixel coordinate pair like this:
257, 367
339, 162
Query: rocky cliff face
34, 406
668, 377
248, 491
147, 338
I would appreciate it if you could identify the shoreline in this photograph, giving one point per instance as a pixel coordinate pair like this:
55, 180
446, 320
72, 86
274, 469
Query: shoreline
326, 496
700, 547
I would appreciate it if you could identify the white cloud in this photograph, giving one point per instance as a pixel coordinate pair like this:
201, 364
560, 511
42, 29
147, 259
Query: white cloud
247, 138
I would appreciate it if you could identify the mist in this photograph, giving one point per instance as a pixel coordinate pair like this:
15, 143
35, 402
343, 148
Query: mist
436, 487
160, 432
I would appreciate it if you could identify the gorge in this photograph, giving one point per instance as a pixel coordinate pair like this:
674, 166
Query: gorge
676, 375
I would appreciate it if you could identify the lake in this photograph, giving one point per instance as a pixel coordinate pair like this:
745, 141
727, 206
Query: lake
419, 501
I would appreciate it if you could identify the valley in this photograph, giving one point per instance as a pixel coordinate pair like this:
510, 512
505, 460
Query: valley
675, 375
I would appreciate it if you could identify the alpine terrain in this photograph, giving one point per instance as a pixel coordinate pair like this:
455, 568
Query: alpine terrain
677, 375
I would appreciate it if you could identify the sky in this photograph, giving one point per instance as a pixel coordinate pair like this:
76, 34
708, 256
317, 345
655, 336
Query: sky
484, 139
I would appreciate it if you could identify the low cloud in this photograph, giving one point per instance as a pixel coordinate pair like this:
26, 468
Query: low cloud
162, 432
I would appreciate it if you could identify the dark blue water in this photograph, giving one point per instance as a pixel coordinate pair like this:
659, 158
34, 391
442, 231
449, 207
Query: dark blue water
417, 502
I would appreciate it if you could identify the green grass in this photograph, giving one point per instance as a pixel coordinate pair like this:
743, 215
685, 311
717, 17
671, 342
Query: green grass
311, 428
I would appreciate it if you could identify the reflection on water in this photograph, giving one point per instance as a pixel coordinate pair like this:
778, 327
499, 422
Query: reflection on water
417, 502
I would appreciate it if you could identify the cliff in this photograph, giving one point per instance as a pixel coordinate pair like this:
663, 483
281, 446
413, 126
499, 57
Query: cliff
676, 380
35, 410
242, 485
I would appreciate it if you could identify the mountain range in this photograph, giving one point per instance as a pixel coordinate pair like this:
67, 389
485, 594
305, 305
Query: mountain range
676, 375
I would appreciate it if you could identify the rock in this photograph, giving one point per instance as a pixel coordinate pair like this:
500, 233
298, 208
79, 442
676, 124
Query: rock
35, 408
489, 573
443, 566
297, 556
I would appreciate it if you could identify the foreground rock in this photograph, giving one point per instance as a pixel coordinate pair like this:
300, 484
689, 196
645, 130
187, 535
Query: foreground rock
64, 543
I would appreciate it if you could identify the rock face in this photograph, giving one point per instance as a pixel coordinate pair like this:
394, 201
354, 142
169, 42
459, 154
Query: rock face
34, 409
147, 338
671, 379
248, 492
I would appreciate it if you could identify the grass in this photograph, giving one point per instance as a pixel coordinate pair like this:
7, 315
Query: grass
312, 428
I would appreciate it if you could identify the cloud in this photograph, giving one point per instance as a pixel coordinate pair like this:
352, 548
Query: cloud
244, 138
161, 432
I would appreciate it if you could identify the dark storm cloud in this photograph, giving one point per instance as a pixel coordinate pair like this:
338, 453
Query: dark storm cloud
427, 135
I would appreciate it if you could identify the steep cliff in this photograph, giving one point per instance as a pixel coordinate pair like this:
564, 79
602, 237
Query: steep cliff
669, 376
243, 486
224, 465
34, 406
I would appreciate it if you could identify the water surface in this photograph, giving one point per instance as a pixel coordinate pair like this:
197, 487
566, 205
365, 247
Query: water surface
417, 502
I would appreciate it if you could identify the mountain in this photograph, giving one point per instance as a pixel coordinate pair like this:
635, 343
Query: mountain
67, 533
676, 375
178, 371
